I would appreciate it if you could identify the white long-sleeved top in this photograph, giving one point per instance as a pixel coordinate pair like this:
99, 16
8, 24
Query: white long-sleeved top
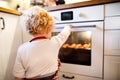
39, 57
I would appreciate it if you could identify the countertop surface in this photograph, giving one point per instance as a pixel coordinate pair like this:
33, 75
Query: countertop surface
10, 11
80, 4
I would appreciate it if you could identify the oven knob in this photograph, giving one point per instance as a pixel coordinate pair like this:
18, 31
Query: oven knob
82, 15
56, 18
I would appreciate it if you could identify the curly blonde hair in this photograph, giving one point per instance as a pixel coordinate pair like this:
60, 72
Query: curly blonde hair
37, 20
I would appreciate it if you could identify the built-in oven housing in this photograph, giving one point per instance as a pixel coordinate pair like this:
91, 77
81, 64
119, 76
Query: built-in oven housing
81, 60
78, 59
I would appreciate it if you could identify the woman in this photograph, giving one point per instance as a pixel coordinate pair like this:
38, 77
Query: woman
38, 58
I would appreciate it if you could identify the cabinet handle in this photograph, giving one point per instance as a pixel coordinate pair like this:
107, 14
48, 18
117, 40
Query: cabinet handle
3, 23
67, 77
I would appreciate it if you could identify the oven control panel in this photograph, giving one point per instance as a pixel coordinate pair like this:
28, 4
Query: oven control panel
90, 13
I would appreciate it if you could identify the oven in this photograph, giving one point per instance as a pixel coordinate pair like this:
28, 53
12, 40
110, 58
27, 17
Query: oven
82, 53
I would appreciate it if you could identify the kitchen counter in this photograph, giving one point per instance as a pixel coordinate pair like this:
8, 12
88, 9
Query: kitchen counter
10, 11
80, 4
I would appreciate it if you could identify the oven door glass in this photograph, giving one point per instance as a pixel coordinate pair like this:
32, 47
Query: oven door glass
77, 48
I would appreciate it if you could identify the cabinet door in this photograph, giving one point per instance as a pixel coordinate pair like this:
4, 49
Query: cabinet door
112, 42
112, 9
112, 68
10, 39
71, 76
1, 67
112, 23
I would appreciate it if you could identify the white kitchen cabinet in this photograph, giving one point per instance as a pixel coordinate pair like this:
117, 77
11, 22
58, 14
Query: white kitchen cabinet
112, 9
112, 23
71, 76
10, 39
112, 16
112, 68
112, 42
112, 37
1, 68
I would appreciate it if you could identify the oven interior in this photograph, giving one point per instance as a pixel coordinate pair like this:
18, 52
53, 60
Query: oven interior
77, 48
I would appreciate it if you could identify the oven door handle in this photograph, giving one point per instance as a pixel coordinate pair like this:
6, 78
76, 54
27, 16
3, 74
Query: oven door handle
85, 26
82, 26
